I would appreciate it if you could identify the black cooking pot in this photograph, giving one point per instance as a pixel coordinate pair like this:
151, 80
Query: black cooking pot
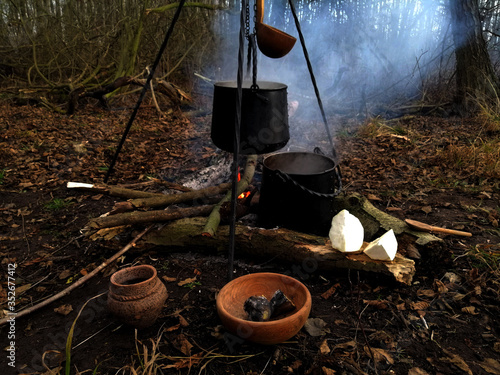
297, 191
264, 117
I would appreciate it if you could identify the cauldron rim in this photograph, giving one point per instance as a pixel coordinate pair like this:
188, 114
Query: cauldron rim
263, 85
291, 154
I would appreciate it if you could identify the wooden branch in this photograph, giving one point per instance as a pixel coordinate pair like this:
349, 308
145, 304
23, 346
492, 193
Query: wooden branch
173, 92
98, 94
165, 200
165, 8
139, 217
79, 282
213, 220
115, 191
305, 253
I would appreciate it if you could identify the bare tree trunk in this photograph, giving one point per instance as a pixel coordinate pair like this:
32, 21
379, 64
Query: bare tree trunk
475, 77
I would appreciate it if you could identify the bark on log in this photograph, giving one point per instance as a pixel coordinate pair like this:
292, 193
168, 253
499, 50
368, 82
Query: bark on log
141, 217
116, 191
162, 200
306, 253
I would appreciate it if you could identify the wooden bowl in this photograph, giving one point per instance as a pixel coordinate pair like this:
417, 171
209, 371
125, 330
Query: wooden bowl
234, 318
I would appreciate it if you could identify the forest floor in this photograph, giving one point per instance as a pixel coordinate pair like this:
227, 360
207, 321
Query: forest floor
442, 171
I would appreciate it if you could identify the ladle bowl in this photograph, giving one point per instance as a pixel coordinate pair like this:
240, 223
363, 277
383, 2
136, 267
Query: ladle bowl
272, 42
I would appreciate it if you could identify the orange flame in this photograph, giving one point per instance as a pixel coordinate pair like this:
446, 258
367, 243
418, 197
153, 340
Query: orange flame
244, 194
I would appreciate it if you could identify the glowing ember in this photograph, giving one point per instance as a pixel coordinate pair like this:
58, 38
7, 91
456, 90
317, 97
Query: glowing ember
244, 195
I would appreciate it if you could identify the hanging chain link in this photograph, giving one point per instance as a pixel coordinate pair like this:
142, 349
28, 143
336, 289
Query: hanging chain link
252, 45
247, 20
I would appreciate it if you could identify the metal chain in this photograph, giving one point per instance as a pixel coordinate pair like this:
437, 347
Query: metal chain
247, 35
253, 42
285, 177
252, 46
247, 20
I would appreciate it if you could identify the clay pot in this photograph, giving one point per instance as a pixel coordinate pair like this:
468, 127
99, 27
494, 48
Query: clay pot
136, 295
233, 295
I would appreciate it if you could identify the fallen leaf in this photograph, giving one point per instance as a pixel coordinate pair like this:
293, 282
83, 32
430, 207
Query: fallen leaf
394, 209
64, 309
64, 274
183, 322
469, 310
316, 327
327, 371
187, 281
427, 209
458, 297
496, 346
381, 305
451, 277
108, 233
420, 305
417, 371
440, 287
373, 197
349, 346
490, 365
296, 364
172, 328
324, 348
457, 361
412, 252
182, 344
169, 279
426, 293
193, 360
379, 354
22, 288
330, 292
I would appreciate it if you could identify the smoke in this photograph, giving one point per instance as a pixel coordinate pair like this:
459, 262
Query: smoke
362, 53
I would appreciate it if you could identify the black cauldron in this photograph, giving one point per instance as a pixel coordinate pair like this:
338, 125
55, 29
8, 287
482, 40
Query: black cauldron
297, 191
264, 117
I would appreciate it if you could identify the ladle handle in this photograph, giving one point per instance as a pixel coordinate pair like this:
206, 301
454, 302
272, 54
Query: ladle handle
259, 11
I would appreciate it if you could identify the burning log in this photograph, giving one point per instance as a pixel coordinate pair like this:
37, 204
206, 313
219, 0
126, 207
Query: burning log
213, 220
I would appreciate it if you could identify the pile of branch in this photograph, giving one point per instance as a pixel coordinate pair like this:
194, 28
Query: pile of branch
189, 228
172, 92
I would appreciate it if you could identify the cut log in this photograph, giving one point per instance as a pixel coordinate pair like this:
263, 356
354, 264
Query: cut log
306, 253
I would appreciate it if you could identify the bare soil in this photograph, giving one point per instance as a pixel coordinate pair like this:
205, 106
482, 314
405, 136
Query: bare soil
446, 322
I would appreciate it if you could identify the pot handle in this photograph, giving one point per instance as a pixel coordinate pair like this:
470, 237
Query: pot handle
285, 177
259, 11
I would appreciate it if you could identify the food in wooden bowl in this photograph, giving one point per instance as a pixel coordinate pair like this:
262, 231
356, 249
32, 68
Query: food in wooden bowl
232, 297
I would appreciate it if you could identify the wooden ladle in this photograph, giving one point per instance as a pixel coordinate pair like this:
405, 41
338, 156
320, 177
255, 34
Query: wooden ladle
272, 42
417, 225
